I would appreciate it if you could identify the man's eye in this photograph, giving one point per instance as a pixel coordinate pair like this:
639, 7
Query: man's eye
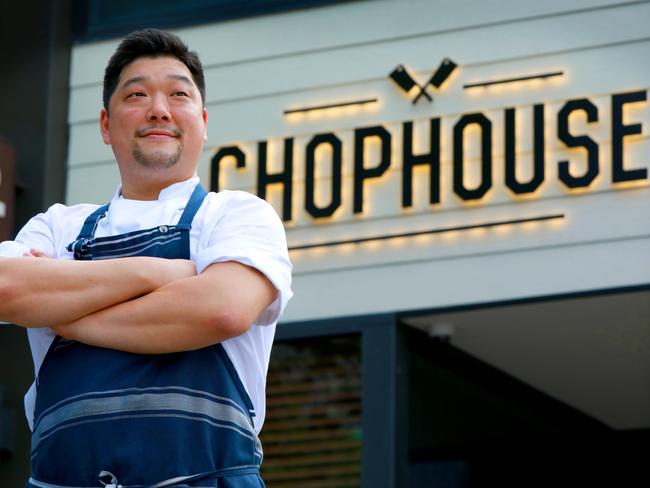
136, 94
180, 94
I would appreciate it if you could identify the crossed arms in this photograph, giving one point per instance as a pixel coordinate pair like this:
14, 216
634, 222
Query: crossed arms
139, 304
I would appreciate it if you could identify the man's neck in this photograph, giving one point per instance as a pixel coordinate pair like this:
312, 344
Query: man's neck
144, 192
147, 190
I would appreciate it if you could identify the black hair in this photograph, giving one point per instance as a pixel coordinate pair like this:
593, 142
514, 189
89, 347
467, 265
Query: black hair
151, 43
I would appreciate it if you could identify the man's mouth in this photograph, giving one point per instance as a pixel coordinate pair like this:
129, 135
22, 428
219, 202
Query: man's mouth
158, 133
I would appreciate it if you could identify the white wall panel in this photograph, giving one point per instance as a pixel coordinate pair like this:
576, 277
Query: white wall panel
587, 75
336, 27
257, 68
593, 217
470, 280
330, 68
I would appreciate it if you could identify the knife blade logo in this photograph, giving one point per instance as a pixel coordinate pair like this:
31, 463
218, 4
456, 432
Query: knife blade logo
406, 82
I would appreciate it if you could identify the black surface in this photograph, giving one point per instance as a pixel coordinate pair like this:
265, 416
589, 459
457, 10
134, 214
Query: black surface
102, 19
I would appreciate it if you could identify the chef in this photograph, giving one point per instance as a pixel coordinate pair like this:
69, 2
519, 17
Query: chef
150, 318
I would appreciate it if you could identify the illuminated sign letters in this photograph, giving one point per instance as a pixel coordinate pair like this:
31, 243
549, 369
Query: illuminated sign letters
363, 172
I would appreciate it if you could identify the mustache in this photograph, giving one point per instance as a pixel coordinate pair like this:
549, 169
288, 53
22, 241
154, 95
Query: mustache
144, 130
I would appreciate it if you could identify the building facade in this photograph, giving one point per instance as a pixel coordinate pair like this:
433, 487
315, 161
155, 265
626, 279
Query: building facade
465, 191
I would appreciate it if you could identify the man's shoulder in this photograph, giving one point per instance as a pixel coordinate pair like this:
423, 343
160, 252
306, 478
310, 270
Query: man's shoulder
62, 211
235, 195
75, 207
234, 200
239, 213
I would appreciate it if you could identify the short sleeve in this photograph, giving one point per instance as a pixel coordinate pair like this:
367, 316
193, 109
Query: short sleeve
12, 249
36, 234
250, 232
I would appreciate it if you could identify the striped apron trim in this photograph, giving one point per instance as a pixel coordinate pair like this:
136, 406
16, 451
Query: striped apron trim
141, 405
139, 249
123, 239
151, 389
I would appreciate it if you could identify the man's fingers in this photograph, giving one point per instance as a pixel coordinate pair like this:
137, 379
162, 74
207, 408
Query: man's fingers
35, 253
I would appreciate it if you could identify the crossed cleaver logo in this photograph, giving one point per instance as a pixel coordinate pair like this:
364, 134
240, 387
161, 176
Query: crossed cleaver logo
406, 82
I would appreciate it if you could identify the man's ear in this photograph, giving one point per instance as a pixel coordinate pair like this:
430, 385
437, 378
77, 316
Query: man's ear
205, 123
103, 126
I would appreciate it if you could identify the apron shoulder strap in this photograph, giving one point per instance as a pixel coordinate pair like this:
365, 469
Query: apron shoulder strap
193, 205
88, 229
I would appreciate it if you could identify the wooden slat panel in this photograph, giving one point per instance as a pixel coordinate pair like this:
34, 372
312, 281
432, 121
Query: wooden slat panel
323, 397
313, 460
303, 447
326, 371
315, 410
312, 433
310, 473
308, 435
298, 423
346, 482
320, 384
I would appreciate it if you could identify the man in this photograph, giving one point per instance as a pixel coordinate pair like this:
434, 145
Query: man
151, 329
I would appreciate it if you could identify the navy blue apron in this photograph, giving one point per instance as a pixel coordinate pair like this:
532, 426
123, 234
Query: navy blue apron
107, 418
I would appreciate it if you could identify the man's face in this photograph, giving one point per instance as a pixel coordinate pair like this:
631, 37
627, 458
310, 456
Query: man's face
156, 121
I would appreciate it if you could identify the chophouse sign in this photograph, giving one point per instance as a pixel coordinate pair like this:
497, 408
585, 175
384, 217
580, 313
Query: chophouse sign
363, 172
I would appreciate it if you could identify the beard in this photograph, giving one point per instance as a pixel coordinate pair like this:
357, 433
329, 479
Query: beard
157, 159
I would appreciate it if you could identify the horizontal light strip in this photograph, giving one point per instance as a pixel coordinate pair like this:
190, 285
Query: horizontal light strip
512, 80
484, 225
331, 105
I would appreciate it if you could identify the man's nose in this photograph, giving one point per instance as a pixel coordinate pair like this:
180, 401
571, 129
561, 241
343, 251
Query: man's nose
158, 110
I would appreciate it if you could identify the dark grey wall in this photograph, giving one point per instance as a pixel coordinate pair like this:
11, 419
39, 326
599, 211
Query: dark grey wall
34, 70
16, 374
34, 62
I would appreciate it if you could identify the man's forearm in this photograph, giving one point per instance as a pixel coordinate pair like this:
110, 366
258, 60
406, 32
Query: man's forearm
36, 292
187, 314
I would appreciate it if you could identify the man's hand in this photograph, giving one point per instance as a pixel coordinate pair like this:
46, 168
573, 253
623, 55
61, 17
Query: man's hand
35, 253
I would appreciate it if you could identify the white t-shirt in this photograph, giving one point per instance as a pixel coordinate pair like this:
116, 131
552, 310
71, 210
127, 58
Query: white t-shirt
229, 226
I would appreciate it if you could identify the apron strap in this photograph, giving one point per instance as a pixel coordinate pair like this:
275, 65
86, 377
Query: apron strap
87, 230
193, 205
236, 379
208, 476
90, 225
